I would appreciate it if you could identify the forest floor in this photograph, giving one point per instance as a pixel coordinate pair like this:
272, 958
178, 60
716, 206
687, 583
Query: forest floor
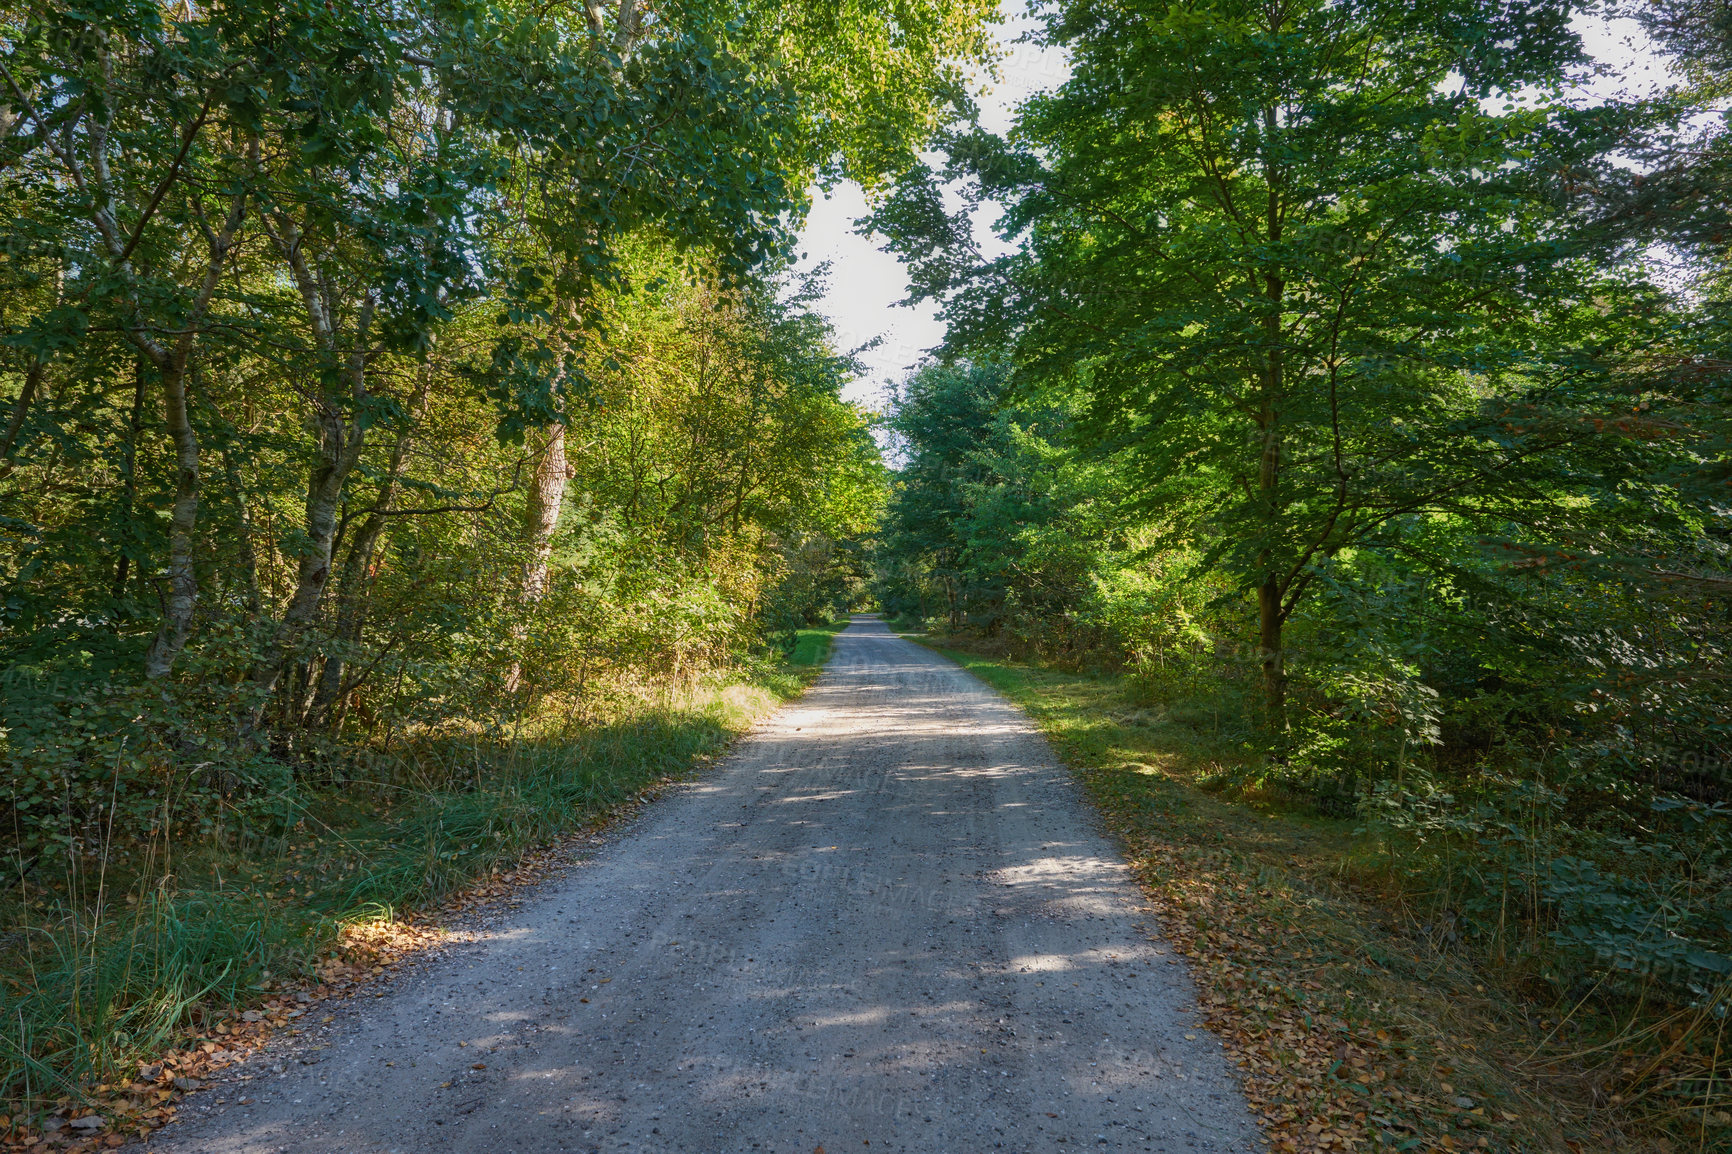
888, 920
1354, 1024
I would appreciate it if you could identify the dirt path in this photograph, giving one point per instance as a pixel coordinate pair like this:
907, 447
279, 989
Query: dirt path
886, 922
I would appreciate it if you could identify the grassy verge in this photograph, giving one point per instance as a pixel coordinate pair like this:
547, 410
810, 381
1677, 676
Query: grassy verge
161, 955
812, 645
1353, 1027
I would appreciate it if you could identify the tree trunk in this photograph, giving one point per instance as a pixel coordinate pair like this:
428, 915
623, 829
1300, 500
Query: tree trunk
355, 581
1269, 652
173, 365
540, 521
182, 598
341, 441
541, 518
1269, 593
340, 445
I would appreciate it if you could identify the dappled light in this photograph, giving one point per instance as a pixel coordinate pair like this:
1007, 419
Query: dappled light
489, 661
886, 919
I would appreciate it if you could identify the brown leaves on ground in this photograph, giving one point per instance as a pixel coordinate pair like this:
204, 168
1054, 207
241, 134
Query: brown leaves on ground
1320, 1076
1349, 1033
111, 1113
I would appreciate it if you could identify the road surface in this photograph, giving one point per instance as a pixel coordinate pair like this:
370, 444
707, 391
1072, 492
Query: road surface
887, 922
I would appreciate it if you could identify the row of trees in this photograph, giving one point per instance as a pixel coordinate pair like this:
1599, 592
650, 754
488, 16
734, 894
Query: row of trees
369, 370
1356, 380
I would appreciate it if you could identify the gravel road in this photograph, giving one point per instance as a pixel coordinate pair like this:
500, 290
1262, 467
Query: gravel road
888, 921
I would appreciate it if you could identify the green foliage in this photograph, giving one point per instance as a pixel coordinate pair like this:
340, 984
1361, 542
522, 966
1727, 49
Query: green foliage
1320, 365
988, 523
408, 379
1306, 286
1643, 904
719, 476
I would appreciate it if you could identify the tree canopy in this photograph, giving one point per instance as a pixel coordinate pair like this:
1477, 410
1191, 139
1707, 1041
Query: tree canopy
371, 370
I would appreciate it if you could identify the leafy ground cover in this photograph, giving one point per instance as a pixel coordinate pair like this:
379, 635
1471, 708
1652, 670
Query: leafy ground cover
119, 992
1356, 1025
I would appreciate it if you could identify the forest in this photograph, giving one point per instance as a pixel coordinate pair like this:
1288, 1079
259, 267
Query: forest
1353, 394
417, 441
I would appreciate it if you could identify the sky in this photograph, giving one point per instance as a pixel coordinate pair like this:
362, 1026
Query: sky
866, 282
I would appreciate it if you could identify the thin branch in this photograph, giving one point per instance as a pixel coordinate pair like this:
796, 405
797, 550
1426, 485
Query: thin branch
20, 410
167, 179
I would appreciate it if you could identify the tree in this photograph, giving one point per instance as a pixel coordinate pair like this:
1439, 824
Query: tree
939, 418
135, 217
1304, 276
992, 505
856, 90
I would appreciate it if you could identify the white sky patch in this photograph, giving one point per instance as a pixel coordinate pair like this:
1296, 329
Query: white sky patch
1634, 69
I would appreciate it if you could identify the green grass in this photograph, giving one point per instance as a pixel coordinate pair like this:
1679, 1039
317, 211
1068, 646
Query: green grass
812, 645
89, 987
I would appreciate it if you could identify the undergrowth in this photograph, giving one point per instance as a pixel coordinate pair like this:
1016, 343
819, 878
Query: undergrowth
1338, 964
137, 941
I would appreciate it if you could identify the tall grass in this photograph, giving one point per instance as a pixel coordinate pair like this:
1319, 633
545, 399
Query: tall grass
96, 978
86, 996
